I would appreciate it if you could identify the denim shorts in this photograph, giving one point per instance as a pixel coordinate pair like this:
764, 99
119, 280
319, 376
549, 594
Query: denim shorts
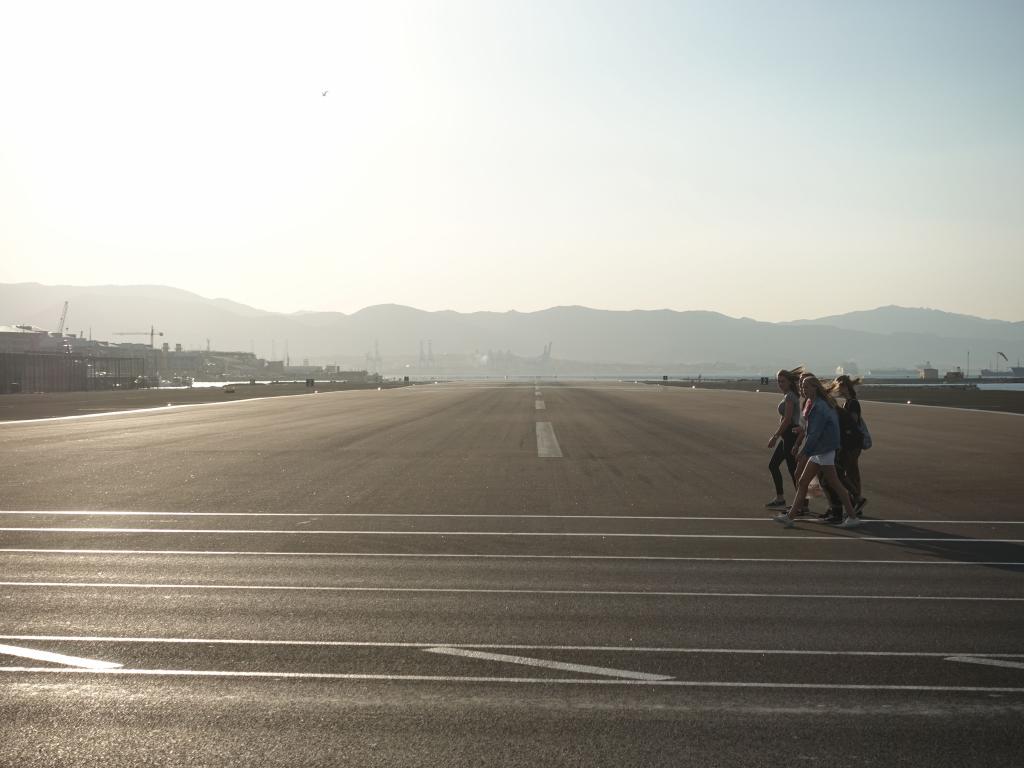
826, 459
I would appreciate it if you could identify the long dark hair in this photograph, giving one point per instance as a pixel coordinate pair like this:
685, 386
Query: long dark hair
793, 377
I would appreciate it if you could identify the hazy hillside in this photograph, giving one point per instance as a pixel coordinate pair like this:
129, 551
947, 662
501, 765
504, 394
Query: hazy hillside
884, 337
894, 319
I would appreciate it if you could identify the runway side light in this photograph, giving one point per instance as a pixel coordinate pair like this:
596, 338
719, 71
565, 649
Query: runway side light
694, 386
378, 389
908, 402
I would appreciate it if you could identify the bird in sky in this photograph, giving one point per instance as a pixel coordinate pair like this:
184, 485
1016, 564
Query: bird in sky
323, 93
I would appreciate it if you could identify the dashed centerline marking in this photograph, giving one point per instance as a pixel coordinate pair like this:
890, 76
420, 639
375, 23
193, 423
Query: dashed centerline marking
547, 443
539, 405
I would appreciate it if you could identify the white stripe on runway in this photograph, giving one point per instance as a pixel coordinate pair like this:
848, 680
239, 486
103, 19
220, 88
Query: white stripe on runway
680, 518
516, 680
939, 407
456, 556
180, 406
539, 405
56, 658
502, 646
560, 665
547, 443
570, 534
987, 661
478, 591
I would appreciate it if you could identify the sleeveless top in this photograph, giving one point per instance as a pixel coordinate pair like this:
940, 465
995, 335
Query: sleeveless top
796, 407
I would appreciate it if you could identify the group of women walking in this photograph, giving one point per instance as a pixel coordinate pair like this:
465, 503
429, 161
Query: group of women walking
818, 439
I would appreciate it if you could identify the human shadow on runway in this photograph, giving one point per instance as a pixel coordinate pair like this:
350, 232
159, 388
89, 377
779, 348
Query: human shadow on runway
992, 551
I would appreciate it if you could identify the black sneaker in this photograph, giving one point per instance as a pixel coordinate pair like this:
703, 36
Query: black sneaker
776, 504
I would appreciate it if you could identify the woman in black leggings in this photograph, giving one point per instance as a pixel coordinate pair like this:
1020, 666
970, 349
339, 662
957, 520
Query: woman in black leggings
789, 424
852, 438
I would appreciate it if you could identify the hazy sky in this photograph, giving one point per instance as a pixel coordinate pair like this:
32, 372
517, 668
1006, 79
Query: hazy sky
768, 159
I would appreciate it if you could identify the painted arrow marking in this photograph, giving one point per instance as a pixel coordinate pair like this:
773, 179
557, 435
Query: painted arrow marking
989, 662
605, 671
57, 658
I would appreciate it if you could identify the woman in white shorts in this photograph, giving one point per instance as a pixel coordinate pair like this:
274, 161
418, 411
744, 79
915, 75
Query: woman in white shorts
821, 440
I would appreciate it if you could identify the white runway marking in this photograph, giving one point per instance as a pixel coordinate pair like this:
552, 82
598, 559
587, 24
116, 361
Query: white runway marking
162, 408
988, 661
456, 556
571, 534
255, 398
496, 591
563, 666
949, 656
942, 407
539, 406
547, 443
510, 680
56, 658
679, 518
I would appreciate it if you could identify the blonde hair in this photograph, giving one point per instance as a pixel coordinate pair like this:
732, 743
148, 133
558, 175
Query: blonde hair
815, 384
844, 381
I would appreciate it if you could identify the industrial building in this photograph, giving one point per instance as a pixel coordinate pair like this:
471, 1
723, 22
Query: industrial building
34, 360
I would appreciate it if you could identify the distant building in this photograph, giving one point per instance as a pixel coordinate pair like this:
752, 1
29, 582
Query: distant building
34, 360
927, 373
850, 368
954, 376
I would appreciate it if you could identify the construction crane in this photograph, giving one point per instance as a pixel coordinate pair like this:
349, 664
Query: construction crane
63, 317
151, 333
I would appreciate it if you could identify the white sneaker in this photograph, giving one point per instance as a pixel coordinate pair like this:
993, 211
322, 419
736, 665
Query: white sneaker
850, 522
785, 519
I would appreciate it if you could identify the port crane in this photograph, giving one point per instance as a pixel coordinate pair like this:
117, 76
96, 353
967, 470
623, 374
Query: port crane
151, 333
63, 317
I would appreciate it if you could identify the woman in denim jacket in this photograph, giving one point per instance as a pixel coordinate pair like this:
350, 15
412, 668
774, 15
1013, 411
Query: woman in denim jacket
821, 440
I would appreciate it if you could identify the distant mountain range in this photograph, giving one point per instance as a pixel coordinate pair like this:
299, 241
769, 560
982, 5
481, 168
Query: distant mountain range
885, 337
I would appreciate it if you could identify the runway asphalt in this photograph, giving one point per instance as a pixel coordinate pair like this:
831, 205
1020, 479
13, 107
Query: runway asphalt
484, 574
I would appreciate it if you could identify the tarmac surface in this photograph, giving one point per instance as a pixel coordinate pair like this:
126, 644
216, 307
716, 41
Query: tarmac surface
484, 574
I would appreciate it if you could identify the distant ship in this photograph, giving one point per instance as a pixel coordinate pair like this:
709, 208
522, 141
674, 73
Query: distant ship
1013, 372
